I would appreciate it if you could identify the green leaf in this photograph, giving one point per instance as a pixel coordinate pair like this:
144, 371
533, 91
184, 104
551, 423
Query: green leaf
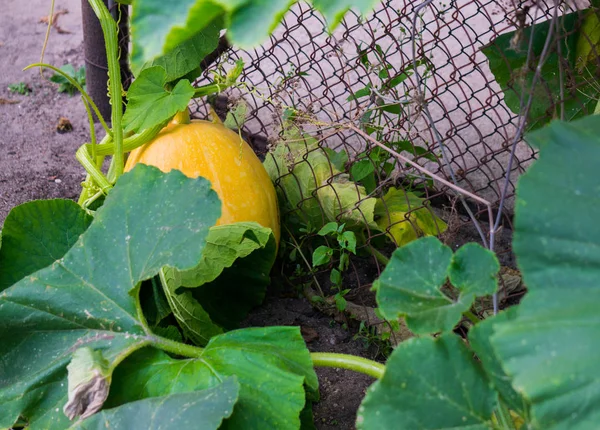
361, 169
403, 216
479, 339
154, 302
272, 366
149, 103
335, 277
190, 315
322, 255
158, 26
334, 10
186, 56
180, 410
36, 234
347, 240
330, 227
550, 348
508, 57
410, 286
429, 384
233, 274
417, 151
88, 297
474, 270
588, 40
363, 92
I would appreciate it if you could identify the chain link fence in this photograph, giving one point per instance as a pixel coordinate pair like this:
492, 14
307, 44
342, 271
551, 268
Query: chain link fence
416, 79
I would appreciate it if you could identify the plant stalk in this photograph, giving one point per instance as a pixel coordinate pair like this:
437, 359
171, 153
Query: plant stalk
504, 418
110, 31
174, 347
349, 362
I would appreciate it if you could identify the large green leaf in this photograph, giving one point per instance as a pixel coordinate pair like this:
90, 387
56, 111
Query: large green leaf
150, 103
271, 364
230, 279
550, 349
429, 384
87, 298
411, 284
158, 26
186, 56
174, 411
479, 339
36, 234
508, 56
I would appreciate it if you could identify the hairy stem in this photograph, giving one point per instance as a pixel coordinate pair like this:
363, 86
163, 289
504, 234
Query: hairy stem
349, 362
174, 347
110, 31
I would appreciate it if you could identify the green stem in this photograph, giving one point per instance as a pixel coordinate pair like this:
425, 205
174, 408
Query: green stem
350, 362
129, 143
92, 128
79, 88
174, 347
89, 164
472, 317
110, 31
504, 418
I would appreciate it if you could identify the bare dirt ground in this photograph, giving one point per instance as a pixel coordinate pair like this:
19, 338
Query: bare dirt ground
36, 161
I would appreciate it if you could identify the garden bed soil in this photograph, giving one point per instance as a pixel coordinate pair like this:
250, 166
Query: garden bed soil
38, 162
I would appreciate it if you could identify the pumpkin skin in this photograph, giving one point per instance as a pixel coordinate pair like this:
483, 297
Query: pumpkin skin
203, 148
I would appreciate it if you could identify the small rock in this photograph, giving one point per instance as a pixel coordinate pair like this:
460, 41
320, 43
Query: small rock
58, 181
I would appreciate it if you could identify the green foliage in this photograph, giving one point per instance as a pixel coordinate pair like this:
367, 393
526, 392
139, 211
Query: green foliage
412, 283
508, 58
64, 85
271, 364
209, 407
36, 234
409, 396
85, 309
158, 27
549, 348
149, 102
536, 358
183, 60
346, 245
230, 279
19, 88
84, 298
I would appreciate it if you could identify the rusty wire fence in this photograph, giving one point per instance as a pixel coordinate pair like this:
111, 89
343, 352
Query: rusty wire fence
415, 78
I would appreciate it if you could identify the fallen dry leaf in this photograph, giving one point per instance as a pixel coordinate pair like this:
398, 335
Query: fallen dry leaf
64, 125
8, 102
55, 16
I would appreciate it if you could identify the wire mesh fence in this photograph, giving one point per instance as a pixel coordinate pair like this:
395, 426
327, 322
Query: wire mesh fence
429, 99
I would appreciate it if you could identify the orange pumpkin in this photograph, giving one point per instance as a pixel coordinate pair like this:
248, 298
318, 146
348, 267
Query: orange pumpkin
211, 150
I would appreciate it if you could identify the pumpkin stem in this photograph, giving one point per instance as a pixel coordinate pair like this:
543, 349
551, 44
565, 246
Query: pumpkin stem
181, 117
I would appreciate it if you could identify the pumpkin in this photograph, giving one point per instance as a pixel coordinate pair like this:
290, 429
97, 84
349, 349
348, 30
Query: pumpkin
211, 150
